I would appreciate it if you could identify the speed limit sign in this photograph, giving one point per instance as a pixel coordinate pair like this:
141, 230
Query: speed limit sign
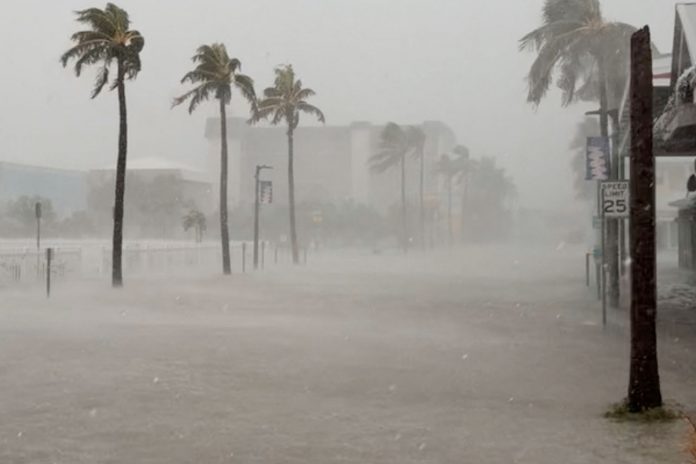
615, 199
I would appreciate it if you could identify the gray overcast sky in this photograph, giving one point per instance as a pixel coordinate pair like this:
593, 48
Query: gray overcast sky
377, 60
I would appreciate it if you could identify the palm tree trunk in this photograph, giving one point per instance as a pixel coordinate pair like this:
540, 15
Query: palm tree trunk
612, 251
224, 229
117, 245
404, 216
465, 205
422, 200
449, 209
291, 196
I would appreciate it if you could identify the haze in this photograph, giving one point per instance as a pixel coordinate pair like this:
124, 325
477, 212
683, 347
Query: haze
451, 60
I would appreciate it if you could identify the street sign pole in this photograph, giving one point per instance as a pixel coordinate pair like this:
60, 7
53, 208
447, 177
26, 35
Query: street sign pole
614, 201
257, 207
604, 270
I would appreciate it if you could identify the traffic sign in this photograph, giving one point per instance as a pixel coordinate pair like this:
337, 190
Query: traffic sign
615, 199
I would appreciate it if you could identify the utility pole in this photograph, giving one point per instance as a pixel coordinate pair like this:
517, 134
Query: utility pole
37, 211
257, 207
644, 383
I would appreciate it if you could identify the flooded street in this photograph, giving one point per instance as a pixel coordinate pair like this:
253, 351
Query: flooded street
438, 358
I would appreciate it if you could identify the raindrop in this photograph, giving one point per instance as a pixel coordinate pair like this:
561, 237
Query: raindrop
422, 447
155, 380
465, 357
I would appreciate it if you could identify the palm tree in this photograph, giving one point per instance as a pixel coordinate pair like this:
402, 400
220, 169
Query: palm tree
591, 56
393, 149
108, 40
416, 141
451, 167
284, 102
195, 219
214, 76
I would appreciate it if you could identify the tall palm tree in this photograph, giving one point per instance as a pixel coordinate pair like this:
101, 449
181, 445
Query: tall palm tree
591, 56
451, 167
416, 141
394, 147
109, 39
214, 76
284, 102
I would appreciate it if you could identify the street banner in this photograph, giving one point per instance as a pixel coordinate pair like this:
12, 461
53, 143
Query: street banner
597, 158
266, 191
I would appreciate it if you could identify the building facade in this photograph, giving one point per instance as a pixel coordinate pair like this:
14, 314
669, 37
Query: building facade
331, 162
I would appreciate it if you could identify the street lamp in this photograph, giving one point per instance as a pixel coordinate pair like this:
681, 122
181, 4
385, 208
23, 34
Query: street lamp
257, 207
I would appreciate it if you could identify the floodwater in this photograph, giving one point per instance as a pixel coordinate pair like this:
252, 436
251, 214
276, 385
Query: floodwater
486, 355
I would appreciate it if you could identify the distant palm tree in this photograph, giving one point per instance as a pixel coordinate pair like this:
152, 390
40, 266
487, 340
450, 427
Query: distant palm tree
196, 220
416, 141
284, 102
214, 76
451, 167
110, 40
394, 147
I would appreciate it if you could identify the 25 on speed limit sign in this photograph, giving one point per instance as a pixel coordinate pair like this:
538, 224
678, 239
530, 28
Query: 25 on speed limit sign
615, 199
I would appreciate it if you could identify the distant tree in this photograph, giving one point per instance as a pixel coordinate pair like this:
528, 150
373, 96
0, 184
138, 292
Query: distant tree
416, 141
79, 224
214, 76
22, 211
491, 192
394, 147
157, 203
283, 103
108, 40
196, 220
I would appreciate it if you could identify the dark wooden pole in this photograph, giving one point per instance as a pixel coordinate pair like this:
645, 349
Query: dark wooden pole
644, 384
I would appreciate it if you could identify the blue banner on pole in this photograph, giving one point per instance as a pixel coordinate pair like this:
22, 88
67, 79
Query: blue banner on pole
597, 159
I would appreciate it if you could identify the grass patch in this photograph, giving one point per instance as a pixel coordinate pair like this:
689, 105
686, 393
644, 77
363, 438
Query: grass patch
667, 413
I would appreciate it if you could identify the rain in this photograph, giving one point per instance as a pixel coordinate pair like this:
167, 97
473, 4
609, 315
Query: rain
348, 231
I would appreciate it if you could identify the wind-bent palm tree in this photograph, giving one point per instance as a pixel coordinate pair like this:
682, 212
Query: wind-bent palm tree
108, 40
589, 53
416, 141
394, 147
591, 56
284, 102
451, 167
214, 76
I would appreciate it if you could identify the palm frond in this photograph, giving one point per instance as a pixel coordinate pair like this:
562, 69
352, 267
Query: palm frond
245, 85
311, 109
101, 81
